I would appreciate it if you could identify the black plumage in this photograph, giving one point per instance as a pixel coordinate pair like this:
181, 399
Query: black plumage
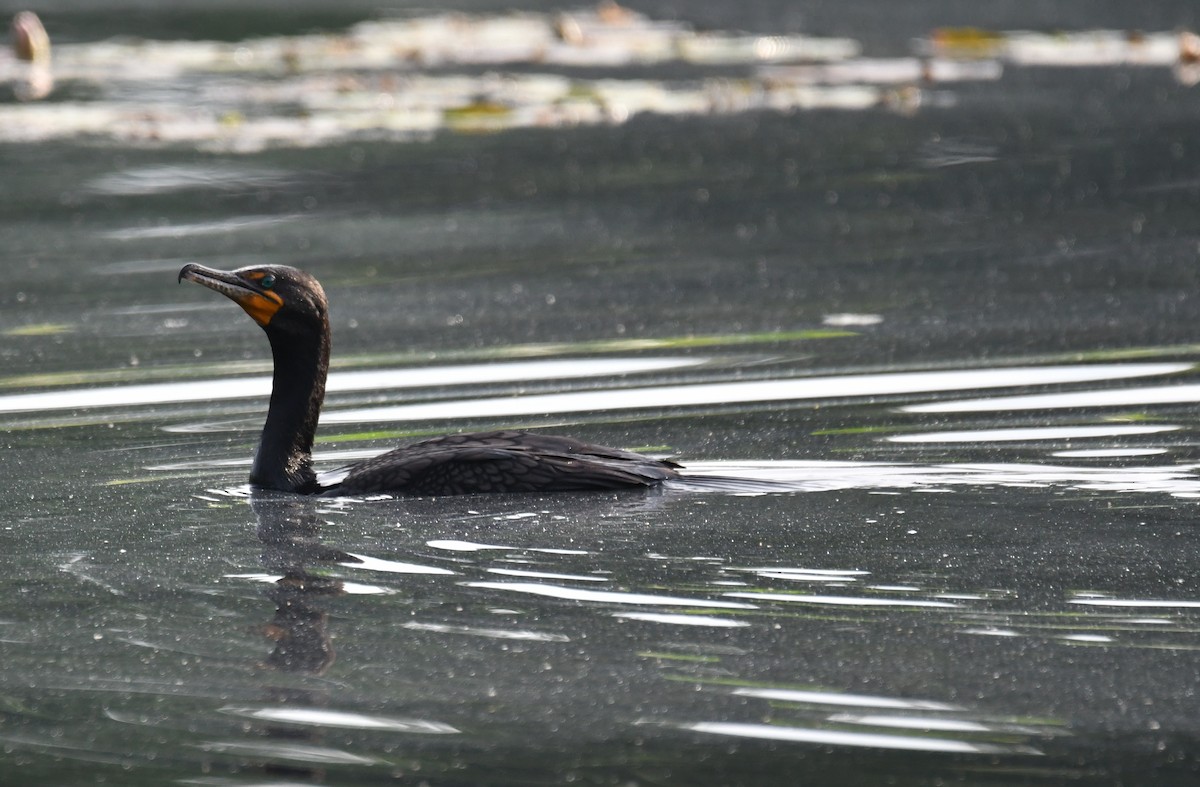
505, 462
291, 307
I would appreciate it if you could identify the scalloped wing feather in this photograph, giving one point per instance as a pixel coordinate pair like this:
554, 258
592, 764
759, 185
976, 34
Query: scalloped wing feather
503, 462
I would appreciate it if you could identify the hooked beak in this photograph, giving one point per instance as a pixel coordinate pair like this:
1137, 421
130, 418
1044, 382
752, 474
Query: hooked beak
261, 305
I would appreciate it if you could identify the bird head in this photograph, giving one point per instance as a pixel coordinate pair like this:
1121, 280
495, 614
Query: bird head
277, 297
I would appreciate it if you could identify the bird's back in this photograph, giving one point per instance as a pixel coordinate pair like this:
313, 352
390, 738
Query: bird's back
507, 461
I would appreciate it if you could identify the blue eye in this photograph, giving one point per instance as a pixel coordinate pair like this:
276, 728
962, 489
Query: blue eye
266, 282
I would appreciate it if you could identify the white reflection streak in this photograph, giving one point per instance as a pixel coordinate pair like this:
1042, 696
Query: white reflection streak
910, 722
454, 545
163, 179
287, 751
1099, 639
1031, 433
991, 632
817, 476
835, 387
605, 596
199, 228
1107, 453
350, 588
328, 718
838, 698
380, 379
792, 576
681, 620
837, 738
1125, 397
1090, 48
514, 572
1136, 603
513, 634
824, 573
845, 601
806, 574
393, 567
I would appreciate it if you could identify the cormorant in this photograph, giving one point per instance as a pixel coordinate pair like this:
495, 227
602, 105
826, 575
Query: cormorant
291, 307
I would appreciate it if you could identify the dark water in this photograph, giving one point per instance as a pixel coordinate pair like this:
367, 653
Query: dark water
925, 576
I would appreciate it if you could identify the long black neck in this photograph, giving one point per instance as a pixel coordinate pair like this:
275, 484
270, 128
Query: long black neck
284, 459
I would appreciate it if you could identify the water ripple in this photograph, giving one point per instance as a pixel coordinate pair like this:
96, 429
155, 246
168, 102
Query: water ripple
1033, 433
844, 601
489, 633
340, 382
796, 389
828, 737
287, 751
322, 717
681, 620
605, 596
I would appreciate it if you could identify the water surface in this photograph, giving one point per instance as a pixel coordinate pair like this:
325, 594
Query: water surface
931, 366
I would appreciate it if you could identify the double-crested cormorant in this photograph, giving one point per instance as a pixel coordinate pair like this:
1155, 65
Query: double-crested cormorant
290, 306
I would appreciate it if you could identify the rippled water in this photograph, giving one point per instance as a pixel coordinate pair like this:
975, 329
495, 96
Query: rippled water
931, 368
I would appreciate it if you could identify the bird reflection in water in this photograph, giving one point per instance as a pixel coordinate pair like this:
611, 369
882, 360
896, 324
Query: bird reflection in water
289, 529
